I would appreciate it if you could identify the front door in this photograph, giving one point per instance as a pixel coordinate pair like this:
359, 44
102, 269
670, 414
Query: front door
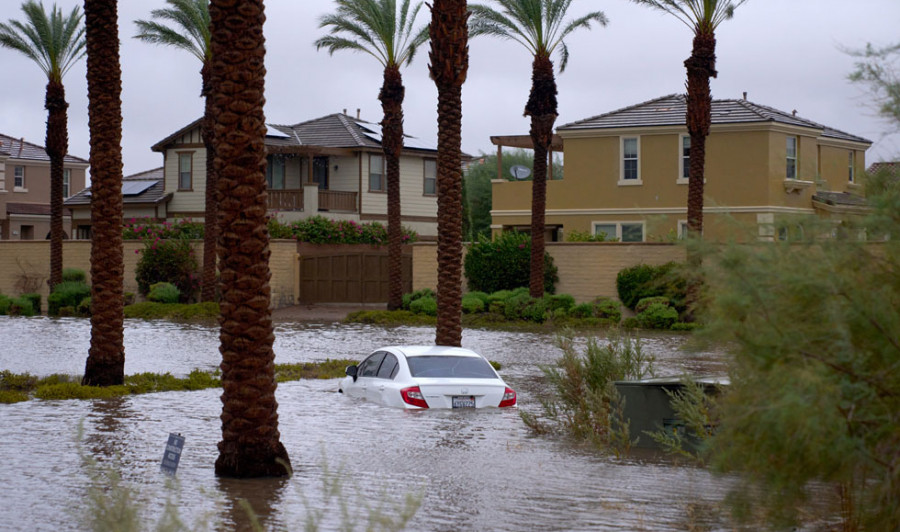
320, 172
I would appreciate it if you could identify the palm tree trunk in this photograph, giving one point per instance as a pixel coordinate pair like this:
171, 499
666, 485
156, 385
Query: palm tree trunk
391, 97
250, 445
700, 67
211, 214
57, 145
542, 109
449, 64
106, 358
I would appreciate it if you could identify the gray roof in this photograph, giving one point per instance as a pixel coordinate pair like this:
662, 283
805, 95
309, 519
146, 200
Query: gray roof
671, 110
840, 199
141, 188
337, 131
22, 149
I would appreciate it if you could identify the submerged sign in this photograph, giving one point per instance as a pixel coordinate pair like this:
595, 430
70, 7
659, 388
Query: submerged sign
173, 453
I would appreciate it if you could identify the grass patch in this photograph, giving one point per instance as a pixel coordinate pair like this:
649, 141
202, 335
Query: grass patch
149, 310
22, 387
484, 320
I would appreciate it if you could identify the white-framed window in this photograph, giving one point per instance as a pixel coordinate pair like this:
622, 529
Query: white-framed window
630, 171
185, 171
430, 177
621, 231
791, 158
376, 173
850, 172
67, 181
684, 158
275, 172
19, 177
682, 229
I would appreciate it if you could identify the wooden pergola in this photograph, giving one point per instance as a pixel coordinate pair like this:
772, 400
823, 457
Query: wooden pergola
524, 141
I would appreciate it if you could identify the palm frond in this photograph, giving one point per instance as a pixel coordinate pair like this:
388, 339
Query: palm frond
54, 42
698, 15
184, 24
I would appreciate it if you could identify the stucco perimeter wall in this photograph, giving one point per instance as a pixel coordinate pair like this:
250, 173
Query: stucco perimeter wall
25, 267
586, 269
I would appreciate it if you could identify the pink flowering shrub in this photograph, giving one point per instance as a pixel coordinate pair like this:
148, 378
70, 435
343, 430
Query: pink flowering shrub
321, 230
147, 228
168, 261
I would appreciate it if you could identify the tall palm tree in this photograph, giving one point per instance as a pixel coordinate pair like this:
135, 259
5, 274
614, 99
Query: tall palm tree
189, 31
55, 42
539, 26
106, 356
250, 445
449, 66
702, 17
373, 27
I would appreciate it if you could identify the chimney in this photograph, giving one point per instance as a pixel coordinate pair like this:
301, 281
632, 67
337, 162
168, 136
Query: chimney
794, 112
357, 113
745, 95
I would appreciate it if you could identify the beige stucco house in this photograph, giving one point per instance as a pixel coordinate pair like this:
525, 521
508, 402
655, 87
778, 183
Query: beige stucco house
627, 173
331, 166
25, 189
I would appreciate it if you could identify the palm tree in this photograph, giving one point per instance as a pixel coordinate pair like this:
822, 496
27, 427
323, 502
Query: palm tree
449, 65
55, 42
106, 357
702, 17
372, 26
250, 445
189, 31
537, 25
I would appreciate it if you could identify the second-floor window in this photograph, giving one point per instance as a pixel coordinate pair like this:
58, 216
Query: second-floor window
850, 162
275, 172
185, 171
630, 165
430, 177
67, 181
791, 160
376, 173
685, 157
19, 177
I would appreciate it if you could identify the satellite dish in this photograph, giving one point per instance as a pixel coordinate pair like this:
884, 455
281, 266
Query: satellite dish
520, 172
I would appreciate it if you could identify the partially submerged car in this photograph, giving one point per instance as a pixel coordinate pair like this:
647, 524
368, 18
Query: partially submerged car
417, 377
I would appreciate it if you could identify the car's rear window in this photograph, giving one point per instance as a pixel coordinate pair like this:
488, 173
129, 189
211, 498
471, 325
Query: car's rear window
451, 366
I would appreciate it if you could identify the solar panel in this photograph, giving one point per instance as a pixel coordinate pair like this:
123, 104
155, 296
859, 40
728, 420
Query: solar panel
134, 188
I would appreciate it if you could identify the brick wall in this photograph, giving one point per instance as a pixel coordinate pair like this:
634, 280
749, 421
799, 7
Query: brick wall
586, 269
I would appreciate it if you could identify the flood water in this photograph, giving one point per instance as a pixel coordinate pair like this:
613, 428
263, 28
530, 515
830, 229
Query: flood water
474, 470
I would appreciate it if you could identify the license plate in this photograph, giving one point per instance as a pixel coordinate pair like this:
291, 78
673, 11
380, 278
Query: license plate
463, 401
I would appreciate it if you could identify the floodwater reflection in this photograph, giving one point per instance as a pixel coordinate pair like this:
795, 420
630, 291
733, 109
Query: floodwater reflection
474, 470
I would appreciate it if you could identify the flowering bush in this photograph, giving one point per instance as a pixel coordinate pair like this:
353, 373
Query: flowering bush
168, 261
146, 228
321, 230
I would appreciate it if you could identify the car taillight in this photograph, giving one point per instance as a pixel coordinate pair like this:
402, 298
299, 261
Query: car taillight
413, 396
509, 398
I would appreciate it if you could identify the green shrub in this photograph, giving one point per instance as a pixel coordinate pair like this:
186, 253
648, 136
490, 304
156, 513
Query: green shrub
129, 298
9, 397
321, 230
504, 264
164, 293
582, 310
149, 310
424, 305
35, 301
408, 298
681, 326
483, 296
149, 229
65, 312
21, 306
84, 308
521, 306
559, 302
641, 281
67, 294
657, 316
168, 261
472, 304
574, 235
631, 322
73, 275
607, 309
4, 305
647, 301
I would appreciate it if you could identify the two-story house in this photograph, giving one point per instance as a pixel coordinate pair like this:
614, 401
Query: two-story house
331, 166
25, 189
627, 173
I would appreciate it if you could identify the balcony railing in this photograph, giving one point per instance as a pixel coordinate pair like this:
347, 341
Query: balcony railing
285, 200
336, 200
316, 200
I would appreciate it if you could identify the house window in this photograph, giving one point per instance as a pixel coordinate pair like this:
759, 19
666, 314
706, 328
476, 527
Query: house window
376, 173
682, 229
791, 170
19, 177
83, 232
67, 181
430, 177
27, 232
631, 170
621, 231
685, 159
275, 172
851, 160
185, 171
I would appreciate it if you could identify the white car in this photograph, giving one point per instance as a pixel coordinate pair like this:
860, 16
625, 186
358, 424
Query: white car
417, 377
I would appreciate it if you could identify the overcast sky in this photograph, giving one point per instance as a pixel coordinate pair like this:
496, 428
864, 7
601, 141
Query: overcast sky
787, 54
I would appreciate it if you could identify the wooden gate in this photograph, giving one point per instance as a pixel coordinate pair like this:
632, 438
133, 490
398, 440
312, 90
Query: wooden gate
348, 274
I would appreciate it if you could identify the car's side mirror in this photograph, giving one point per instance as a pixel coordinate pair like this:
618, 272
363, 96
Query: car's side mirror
351, 372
